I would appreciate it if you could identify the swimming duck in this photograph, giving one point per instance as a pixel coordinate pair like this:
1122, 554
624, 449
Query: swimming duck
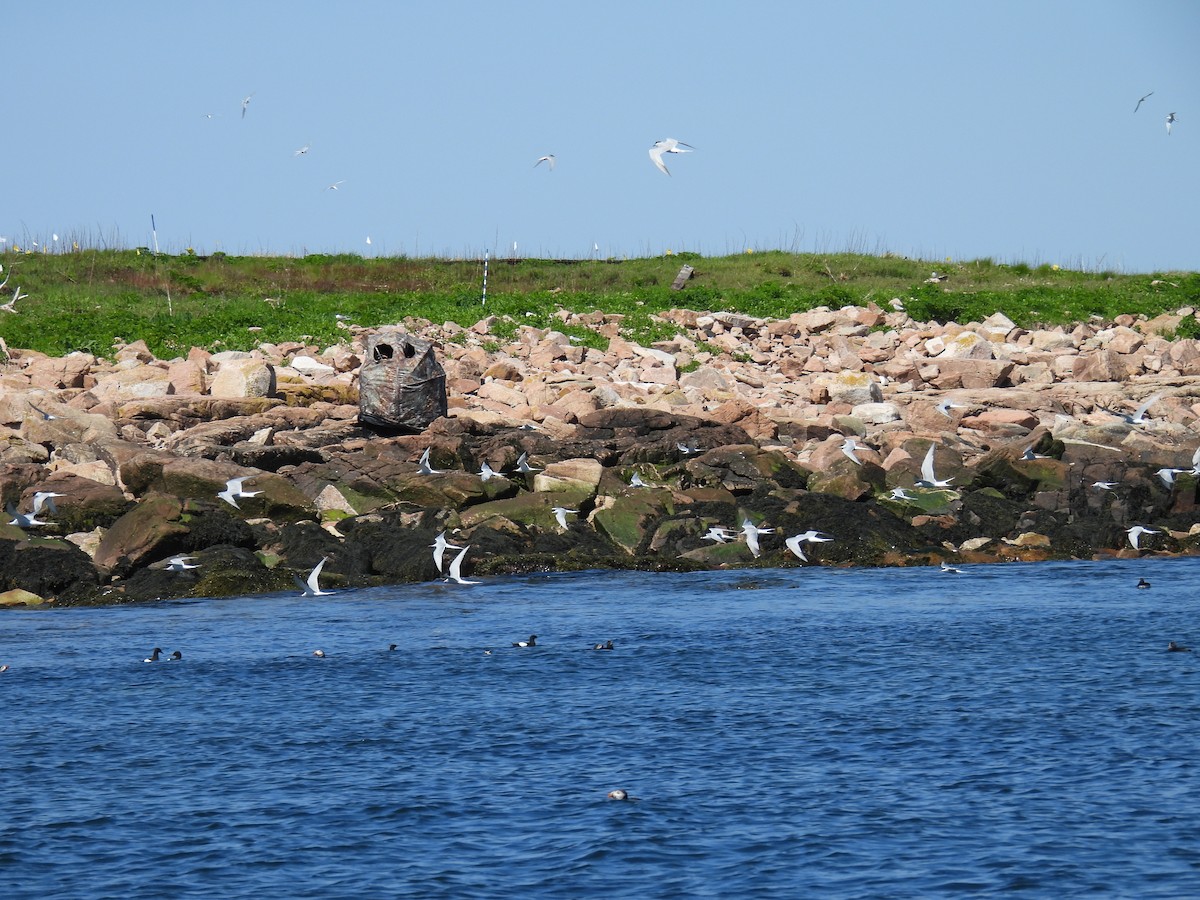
154, 655
607, 645
619, 794
1173, 647
177, 655
532, 642
319, 654
391, 646
1143, 584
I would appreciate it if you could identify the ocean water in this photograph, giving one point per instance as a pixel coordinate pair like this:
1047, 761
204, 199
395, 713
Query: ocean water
1015, 729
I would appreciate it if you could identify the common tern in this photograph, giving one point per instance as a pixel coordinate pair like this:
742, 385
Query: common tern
1142, 100
423, 466
46, 499
180, 563
752, 531
1135, 535
560, 515
549, 159
455, 571
233, 490
311, 587
440, 545
849, 445
1170, 122
669, 145
928, 478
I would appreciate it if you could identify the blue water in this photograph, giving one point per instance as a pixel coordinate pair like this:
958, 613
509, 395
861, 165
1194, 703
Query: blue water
1016, 729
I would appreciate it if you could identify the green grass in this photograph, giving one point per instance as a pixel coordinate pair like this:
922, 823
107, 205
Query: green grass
88, 299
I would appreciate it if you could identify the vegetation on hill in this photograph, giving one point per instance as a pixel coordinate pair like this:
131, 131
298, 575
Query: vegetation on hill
88, 299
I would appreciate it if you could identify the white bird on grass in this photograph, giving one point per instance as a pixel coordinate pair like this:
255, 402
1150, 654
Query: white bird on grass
928, 478
560, 514
424, 468
46, 499
1135, 534
440, 545
455, 572
549, 158
752, 531
233, 490
311, 587
180, 563
669, 145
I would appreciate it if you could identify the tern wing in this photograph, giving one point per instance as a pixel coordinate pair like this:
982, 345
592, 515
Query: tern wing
1141, 410
656, 153
927, 466
315, 574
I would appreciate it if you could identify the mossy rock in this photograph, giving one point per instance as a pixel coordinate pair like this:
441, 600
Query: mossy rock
20, 597
628, 518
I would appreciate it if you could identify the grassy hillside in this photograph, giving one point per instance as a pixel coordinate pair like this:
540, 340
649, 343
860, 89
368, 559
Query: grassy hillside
84, 300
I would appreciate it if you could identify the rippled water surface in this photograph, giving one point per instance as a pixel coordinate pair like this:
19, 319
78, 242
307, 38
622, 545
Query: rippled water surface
816, 732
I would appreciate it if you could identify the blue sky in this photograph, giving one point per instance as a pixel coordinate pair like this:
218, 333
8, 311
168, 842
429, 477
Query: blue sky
927, 129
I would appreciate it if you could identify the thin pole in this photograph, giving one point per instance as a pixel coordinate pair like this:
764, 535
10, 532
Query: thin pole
485, 268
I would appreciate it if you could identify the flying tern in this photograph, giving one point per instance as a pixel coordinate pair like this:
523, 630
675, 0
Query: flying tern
1135, 534
849, 445
1142, 100
455, 571
523, 465
718, 534
669, 145
245, 104
549, 159
233, 490
311, 587
424, 467
946, 405
180, 563
560, 514
23, 520
1170, 121
928, 478
46, 499
752, 531
440, 545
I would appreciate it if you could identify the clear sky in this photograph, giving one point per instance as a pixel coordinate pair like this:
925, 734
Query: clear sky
929, 129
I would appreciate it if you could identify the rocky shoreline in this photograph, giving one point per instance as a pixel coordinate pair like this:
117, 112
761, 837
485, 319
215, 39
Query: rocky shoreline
736, 419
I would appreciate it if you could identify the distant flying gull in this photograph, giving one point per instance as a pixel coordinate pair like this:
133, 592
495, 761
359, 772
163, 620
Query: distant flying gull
928, 478
849, 445
179, 563
233, 490
946, 405
560, 514
424, 468
311, 587
455, 571
440, 545
1143, 99
1135, 534
1170, 122
669, 145
549, 158
334, 186
245, 103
